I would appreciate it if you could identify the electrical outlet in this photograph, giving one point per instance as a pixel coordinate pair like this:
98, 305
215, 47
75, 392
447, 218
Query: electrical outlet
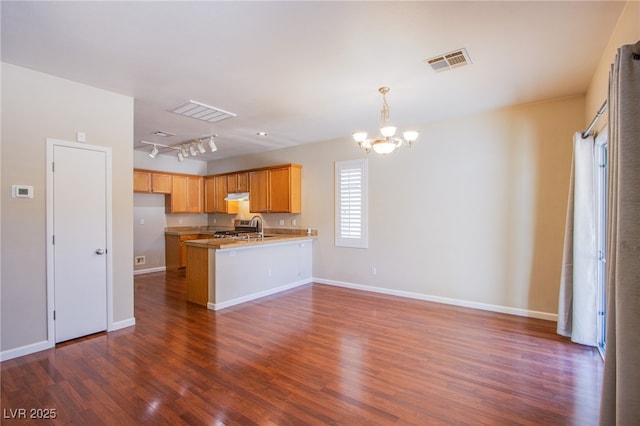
281, 222
214, 220
294, 222
140, 260
374, 271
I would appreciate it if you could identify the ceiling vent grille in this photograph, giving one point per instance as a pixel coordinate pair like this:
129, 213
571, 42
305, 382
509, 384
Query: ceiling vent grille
448, 61
202, 112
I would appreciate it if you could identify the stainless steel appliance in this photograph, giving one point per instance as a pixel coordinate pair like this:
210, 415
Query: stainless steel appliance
242, 229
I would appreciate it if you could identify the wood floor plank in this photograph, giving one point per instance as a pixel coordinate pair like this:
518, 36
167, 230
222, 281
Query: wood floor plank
312, 355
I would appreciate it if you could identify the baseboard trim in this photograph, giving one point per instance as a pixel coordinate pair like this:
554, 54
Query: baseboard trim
445, 300
25, 350
149, 270
122, 324
254, 296
45, 344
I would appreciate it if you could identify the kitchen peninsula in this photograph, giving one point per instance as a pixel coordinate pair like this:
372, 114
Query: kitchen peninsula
223, 272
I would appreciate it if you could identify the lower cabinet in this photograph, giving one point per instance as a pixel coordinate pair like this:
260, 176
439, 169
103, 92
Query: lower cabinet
176, 251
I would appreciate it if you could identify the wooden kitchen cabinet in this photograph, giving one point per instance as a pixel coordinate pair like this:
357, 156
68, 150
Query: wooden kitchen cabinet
215, 192
186, 195
276, 190
259, 191
176, 251
141, 181
148, 181
238, 182
160, 183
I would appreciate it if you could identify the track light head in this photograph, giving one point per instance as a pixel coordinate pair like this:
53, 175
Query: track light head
200, 146
154, 152
180, 156
212, 145
192, 150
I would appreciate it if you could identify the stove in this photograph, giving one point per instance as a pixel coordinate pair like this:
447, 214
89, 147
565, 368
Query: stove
241, 228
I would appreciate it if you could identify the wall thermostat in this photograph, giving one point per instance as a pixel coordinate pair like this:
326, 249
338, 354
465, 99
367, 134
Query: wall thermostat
21, 191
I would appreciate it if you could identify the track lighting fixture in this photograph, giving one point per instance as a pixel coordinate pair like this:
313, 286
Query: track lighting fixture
184, 150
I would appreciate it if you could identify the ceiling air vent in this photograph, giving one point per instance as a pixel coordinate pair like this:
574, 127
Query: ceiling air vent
202, 112
448, 61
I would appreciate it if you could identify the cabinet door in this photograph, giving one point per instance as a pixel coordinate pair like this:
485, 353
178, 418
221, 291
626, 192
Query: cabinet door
279, 190
194, 194
259, 191
221, 194
242, 180
232, 183
178, 195
160, 183
285, 190
210, 194
141, 182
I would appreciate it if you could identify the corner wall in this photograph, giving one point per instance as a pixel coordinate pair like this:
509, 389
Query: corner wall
36, 106
627, 31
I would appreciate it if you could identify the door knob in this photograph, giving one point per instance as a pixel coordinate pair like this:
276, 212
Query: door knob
99, 251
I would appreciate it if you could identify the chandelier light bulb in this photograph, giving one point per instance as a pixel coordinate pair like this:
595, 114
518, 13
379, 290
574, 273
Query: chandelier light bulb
388, 131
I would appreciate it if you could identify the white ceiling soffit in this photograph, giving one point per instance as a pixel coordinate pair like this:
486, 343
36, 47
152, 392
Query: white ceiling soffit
202, 112
448, 61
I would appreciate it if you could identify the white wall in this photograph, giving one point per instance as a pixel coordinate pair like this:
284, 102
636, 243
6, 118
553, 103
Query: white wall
627, 31
37, 106
475, 211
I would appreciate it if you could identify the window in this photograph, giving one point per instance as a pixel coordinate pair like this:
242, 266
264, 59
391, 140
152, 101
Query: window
351, 203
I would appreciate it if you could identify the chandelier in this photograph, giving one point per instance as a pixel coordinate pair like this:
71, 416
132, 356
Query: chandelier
387, 142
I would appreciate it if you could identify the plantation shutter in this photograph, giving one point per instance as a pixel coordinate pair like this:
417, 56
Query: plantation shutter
351, 203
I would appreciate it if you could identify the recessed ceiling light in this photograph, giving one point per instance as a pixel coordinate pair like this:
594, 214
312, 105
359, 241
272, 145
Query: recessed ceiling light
163, 133
262, 133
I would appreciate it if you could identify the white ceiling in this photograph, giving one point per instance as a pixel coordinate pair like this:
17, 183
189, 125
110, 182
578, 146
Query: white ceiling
309, 71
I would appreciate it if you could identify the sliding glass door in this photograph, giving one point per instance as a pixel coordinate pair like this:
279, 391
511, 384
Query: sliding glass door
601, 235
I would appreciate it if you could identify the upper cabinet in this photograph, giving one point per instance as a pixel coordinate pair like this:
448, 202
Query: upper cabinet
149, 181
186, 195
215, 192
238, 182
276, 190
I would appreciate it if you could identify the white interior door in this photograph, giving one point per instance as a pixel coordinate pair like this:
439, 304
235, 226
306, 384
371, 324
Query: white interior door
79, 241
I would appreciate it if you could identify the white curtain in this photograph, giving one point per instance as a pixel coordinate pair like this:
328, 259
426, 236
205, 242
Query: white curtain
577, 306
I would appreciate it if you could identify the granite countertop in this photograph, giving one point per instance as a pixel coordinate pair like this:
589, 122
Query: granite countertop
272, 235
226, 243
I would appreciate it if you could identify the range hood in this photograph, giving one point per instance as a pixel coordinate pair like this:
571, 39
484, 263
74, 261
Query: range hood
238, 196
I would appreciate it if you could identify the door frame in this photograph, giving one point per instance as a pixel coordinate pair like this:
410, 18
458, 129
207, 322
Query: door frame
51, 144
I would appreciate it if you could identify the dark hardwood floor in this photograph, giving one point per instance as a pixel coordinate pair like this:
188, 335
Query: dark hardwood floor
312, 355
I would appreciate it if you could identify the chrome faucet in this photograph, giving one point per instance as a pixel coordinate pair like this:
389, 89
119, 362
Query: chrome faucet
259, 226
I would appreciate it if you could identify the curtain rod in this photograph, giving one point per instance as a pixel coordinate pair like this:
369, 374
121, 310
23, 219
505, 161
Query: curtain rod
601, 111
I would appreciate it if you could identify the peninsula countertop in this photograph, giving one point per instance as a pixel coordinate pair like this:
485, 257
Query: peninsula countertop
238, 242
